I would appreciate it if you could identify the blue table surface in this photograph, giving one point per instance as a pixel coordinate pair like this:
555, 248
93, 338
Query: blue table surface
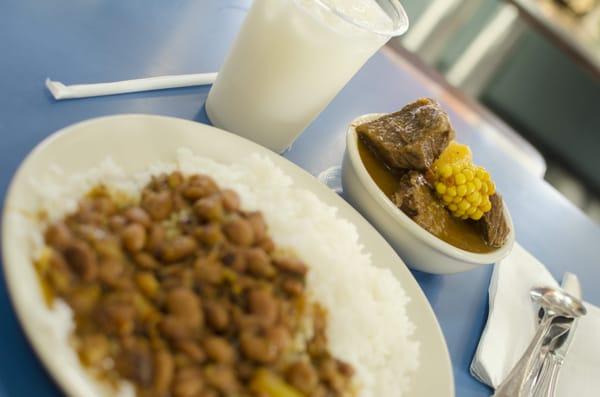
107, 40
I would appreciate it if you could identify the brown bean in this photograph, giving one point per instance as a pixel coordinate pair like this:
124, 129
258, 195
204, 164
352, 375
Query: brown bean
134, 237
259, 263
146, 261
207, 271
245, 370
279, 336
117, 222
147, 283
93, 349
210, 234
219, 350
211, 393
179, 248
117, 318
258, 224
231, 200
320, 391
164, 369
303, 376
192, 350
188, 382
135, 363
81, 259
59, 273
58, 235
234, 259
156, 239
157, 204
290, 264
87, 214
179, 277
216, 315
239, 232
209, 208
83, 299
175, 179
267, 244
199, 186
185, 304
109, 247
264, 306
328, 371
104, 205
245, 321
292, 286
222, 378
110, 271
138, 215
175, 328
257, 349
345, 368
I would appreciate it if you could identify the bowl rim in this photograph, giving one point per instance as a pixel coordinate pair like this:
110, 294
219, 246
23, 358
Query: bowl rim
404, 220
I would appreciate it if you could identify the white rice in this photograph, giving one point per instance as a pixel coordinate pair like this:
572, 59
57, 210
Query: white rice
368, 325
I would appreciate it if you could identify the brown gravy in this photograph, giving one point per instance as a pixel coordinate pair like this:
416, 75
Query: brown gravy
461, 234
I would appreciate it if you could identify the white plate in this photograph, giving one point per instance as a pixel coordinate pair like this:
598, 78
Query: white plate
137, 141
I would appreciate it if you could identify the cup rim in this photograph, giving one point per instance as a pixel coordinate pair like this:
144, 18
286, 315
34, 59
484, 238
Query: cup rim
400, 27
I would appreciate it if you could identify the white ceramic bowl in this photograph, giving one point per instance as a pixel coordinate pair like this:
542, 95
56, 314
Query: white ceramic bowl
420, 249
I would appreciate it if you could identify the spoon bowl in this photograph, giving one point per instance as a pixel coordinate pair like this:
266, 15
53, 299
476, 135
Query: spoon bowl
558, 302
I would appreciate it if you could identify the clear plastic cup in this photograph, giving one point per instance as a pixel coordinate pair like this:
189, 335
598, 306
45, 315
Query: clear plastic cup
290, 59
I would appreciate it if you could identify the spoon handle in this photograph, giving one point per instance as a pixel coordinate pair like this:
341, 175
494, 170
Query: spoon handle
520, 377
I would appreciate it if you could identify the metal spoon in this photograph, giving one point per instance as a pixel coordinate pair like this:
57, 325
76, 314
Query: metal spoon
527, 373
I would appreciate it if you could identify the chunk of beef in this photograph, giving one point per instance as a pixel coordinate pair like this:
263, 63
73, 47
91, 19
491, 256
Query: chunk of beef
411, 138
493, 224
415, 198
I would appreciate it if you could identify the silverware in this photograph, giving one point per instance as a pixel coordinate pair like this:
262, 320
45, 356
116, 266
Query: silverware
532, 373
558, 349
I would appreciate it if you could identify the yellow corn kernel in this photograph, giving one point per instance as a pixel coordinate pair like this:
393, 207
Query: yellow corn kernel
452, 207
477, 215
472, 210
464, 205
445, 171
461, 190
486, 206
470, 187
491, 187
460, 178
469, 174
451, 191
447, 198
473, 197
456, 169
457, 199
477, 183
440, 188
484, 188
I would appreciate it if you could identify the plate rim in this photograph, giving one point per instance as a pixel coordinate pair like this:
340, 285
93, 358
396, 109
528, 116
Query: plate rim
18, 303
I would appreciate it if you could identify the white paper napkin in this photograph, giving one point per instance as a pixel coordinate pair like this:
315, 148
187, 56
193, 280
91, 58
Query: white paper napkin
512, 322
62, 91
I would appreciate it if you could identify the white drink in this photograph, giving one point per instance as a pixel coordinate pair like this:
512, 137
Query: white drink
290, 58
